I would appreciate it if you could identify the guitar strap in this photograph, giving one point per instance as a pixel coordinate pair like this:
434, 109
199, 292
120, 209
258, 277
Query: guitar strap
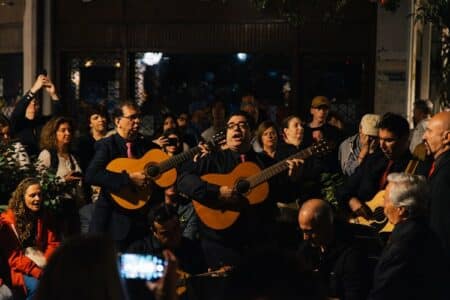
412, 166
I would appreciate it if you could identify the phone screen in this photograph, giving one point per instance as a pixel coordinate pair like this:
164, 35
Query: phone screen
141, 266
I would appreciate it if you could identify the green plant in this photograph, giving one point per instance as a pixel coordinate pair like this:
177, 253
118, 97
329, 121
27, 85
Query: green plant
437, 12
54, 190
296, 12
330, 183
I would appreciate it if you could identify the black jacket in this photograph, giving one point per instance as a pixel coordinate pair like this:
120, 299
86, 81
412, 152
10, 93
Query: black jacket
365, 182
108, 216
412, 265
254, 223
343, 268
28, 131
440, 200
329, 163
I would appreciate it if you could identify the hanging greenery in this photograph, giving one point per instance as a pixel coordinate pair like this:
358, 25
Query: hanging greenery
296, 12
437, 12
330, 183
54, 190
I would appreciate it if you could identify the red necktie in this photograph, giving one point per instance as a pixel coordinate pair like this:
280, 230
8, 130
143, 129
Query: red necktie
129, 152
433, 166
383, 179
242, 157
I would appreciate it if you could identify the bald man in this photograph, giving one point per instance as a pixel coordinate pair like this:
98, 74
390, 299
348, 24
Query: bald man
327, 246
437, 141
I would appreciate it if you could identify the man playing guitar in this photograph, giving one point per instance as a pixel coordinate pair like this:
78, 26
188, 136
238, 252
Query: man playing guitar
123, 226
371, 175
254, 225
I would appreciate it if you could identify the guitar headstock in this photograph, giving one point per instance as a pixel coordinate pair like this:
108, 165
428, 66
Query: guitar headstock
218, 139
322, 147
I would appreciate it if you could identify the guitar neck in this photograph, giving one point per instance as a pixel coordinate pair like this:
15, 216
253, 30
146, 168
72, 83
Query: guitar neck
412, 166
277, 168
178, 159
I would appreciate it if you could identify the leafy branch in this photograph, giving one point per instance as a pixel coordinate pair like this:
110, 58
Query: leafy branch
55, 191
295, 12
330, 183
437, 12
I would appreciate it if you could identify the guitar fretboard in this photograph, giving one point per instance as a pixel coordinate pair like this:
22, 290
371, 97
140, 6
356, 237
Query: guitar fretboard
277, 168
178, 159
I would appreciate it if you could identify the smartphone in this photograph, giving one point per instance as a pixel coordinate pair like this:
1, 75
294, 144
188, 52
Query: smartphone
141, 266
42, 72
172, 142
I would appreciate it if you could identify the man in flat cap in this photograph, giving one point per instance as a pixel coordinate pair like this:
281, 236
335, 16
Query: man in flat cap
354, 149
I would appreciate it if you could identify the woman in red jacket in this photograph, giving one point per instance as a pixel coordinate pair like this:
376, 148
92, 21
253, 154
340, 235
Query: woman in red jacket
27, 238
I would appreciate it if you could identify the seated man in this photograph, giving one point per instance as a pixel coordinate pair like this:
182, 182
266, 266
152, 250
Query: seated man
413, 265
165, 233
370, 176
331, 252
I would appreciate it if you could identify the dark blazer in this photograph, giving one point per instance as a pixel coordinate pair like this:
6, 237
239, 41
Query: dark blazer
108, 216
412, 265
365, 182
255, 223
440, 201
343, 268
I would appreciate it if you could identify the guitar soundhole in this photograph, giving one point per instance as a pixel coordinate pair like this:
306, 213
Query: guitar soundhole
379, 218
153, 170
242, 186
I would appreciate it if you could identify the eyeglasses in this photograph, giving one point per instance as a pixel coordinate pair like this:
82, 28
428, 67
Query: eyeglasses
132, 117
240, 125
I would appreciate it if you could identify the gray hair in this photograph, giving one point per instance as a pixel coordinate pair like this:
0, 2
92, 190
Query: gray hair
409, 191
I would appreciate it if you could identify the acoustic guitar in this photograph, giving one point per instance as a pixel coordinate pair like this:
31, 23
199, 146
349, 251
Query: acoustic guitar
378, 219
158, 167
250, 181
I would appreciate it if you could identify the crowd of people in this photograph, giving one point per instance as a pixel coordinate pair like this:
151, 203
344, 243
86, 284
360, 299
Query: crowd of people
219, 222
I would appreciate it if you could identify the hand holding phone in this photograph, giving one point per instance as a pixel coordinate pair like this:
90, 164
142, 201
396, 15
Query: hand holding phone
172, 142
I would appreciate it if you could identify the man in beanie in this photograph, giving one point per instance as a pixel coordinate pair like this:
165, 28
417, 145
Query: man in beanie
354, 149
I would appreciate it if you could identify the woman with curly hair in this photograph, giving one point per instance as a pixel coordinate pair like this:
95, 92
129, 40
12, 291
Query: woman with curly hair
56, 156
27, 237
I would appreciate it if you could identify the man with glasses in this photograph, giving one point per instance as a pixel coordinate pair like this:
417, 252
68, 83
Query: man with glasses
123, 226
255, 225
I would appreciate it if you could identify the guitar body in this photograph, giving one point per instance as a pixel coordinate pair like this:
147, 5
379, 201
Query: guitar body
380, 221
132, 197
222, 219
